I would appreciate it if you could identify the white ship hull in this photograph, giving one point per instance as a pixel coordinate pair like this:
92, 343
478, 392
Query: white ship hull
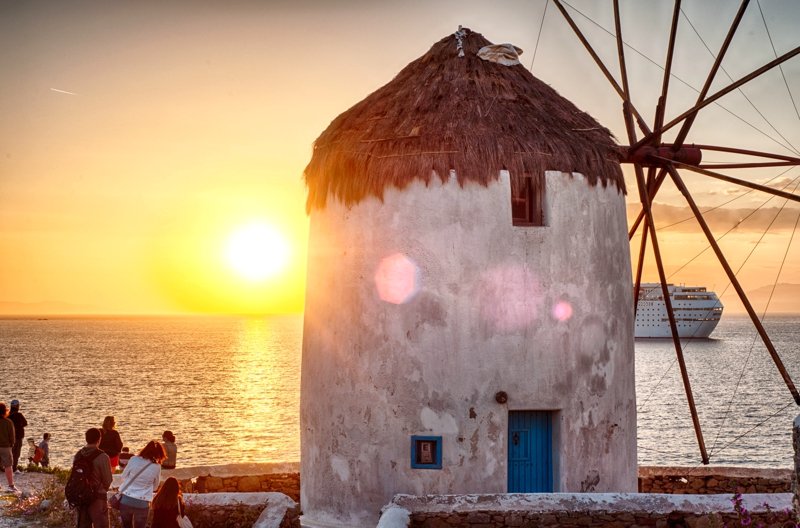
697, 312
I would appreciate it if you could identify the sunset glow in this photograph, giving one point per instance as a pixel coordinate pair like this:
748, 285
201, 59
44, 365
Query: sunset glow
257, 251
138, 137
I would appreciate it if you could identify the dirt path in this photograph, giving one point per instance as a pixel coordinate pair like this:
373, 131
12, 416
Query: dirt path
27, 484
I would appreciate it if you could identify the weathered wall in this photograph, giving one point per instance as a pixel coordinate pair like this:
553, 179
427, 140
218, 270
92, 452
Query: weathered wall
483, 320
586, 510
713, 480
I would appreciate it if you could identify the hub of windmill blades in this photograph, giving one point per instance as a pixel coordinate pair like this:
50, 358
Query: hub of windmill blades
661, 156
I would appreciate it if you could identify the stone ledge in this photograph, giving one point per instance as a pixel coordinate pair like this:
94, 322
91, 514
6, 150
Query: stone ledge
224, 471
589, 502
581, 510
713, 471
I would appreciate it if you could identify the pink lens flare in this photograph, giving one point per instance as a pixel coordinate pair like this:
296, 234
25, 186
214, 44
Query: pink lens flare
509, 297
562, 311
397, 279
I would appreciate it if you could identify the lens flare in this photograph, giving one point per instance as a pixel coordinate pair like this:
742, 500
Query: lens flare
397, 279
509, 297
562, 311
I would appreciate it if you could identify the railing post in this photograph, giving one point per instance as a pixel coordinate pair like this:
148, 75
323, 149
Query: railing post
796, 476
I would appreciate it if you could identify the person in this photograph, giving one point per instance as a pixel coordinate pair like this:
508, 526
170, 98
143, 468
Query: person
7, 439
111, 443
124, 457
34, 452
139, 481
167, 505
171, 449
44, 445
19, 429
95, 513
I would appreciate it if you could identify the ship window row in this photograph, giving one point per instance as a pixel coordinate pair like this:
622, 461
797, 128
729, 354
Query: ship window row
693, 297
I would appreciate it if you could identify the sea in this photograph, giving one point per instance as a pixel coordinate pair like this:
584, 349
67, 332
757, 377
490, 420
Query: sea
229, 387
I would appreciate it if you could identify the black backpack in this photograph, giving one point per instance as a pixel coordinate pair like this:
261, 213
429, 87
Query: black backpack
81, 489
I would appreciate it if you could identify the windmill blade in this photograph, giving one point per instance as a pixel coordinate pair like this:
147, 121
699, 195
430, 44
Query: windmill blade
687, 125
673, 172
656, 185
737, 181
710, 99
639, 120
670, 314
662, 100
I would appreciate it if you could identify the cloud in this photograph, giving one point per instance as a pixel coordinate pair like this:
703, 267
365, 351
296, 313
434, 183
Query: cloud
670, 218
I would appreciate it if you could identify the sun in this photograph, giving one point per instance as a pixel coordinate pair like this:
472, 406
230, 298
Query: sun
257, 251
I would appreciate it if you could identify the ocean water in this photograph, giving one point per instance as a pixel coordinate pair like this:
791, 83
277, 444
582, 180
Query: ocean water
229, 387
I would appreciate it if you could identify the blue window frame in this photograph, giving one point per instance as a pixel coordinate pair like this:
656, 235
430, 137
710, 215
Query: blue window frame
426, 452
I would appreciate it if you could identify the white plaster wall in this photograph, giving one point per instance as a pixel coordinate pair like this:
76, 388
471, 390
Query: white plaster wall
374, 373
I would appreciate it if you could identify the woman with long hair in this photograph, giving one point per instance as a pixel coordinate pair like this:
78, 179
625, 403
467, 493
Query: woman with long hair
111, 443
167, 505
139, 481
168, 439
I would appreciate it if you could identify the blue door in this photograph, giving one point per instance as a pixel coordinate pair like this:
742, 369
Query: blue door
530, 452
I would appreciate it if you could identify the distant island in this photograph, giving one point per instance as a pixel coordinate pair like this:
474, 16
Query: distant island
785, 299
46, 308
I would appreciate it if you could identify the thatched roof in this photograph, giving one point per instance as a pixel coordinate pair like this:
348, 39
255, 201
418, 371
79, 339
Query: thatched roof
444, 112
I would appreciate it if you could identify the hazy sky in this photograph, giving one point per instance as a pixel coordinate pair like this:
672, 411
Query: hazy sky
135, 137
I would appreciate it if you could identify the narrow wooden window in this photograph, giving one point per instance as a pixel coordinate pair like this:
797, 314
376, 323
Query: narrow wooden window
527, 197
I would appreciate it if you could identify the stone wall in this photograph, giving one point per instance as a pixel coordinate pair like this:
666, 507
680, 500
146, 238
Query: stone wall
281, 477
240, 510
706, 480
232, 495
285, 478
567, 510
286, 483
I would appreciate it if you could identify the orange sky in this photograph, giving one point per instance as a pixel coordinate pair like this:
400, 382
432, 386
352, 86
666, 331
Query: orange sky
136, 137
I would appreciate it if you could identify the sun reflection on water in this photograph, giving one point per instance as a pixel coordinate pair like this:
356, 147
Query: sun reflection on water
268, 406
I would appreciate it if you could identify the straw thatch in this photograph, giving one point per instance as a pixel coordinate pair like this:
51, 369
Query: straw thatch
443, 112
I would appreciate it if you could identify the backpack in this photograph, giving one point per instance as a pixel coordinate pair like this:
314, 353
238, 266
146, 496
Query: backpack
38, 455
80, 488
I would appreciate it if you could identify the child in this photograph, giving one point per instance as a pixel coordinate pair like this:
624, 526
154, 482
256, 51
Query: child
31, 451
124, 457
44, 445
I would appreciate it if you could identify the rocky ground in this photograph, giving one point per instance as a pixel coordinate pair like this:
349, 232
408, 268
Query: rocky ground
27, 484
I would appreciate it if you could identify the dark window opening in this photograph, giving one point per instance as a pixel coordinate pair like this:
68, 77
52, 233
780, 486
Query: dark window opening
527, 197
426, 452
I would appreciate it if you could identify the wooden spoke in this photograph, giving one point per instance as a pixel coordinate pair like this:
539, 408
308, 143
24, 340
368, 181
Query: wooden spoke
656, 185
747, 165
639, 270
710, 99
662, 100
737, 181
733, 150
735, 283
668, 305
626, 92
713, 72
639, 120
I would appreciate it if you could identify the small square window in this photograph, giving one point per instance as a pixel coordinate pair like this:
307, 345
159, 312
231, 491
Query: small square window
526, 201
426, 452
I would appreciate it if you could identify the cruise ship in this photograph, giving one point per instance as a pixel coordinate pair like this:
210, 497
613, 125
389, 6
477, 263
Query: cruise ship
697, 311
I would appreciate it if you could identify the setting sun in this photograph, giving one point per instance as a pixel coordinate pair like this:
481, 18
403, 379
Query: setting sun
257, 251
